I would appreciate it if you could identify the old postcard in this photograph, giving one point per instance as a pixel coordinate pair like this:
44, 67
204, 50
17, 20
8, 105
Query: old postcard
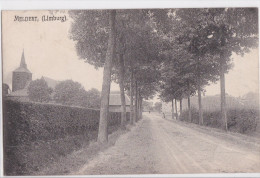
130, 91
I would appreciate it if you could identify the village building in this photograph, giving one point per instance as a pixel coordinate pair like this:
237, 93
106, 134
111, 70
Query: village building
21, 80
115, 102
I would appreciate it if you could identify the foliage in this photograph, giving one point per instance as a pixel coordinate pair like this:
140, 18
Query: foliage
174, 51
68, 92
201, 42
239, 120
194, 116
186, 62
72, 93
34, 131
95, 35
158, 106
140, 51
134, 52
243, 120
93, 99
90, 30
39, 91
147, 106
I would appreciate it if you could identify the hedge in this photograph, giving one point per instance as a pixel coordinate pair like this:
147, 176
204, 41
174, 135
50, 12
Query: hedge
30, 127
239, 120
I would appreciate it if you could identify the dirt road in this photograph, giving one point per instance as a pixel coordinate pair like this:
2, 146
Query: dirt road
161, 146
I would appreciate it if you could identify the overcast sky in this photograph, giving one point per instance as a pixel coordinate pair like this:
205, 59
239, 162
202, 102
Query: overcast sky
49, 52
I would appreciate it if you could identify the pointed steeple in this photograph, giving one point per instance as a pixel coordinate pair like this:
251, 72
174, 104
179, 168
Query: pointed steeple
23, 64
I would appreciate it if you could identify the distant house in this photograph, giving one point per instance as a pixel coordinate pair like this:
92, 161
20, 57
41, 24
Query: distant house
21, 80
115, 102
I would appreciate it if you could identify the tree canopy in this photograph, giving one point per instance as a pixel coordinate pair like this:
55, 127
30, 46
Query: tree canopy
39, 91
173, 52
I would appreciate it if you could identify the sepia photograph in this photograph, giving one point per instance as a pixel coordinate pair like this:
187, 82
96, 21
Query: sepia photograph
144, 91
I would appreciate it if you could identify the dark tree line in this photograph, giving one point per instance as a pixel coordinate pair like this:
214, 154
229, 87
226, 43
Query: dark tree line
66, 92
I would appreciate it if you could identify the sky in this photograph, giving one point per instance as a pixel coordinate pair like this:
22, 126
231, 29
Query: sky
51, 53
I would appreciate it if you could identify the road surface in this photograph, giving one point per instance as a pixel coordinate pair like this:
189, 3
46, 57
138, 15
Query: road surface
160, 146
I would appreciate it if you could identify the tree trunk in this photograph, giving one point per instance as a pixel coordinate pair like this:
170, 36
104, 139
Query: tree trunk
223, 97
222, 84
189, 108
200, 106
104, 106
180, 106
122, 91
172, 109
136, 102
131, 100
140, 106
176, 110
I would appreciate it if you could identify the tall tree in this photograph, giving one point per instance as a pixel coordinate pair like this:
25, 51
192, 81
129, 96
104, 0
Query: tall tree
133, 41
103, 132
39, 91
180, 106
69, 92
211, 36
131, 99
95, 35
231, 30
189, 34
140, 53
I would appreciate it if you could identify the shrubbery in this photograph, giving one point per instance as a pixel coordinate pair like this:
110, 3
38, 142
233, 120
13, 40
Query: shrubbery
36, 133
72, 93
39, 91
243, 120
194, 116
239, 120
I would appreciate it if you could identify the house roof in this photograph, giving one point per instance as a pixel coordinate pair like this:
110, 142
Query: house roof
115, 99
22, 92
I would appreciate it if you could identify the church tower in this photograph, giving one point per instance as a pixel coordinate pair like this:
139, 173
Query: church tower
21, 76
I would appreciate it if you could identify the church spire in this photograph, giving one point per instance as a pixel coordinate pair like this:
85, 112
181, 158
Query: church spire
23, 64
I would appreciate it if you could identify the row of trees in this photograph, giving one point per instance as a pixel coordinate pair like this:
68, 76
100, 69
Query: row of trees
202, 42
66, 92
175, 52
123, 43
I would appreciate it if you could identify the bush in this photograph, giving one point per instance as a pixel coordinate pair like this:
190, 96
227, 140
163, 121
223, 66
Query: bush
239, 120
213, 119
194, 116
39, 91
37, 133
243, 120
